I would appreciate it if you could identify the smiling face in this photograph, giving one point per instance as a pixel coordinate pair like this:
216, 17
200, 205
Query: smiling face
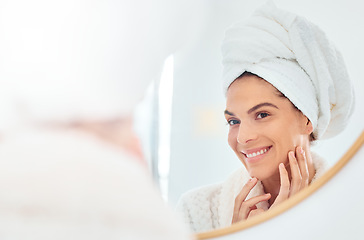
264, 126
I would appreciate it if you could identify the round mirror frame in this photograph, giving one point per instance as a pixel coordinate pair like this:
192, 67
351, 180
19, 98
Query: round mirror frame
291, 201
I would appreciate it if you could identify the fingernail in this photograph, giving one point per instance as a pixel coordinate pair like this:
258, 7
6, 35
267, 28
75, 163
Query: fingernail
292, 154
252, 179
301, 150
281, 165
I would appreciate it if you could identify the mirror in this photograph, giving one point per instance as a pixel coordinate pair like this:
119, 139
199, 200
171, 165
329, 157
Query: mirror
199, 153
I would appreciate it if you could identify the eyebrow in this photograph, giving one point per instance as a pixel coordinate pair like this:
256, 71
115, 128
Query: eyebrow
226, 112
265, 104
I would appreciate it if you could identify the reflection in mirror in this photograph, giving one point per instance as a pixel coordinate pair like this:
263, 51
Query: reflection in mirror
199, 150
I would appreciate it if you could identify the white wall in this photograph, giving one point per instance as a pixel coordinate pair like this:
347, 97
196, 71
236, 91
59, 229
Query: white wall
199, 151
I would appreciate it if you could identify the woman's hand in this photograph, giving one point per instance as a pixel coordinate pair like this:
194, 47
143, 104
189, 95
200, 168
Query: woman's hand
300, 176
243, 208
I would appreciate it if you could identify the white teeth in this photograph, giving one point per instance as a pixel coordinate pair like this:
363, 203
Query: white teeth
257, 153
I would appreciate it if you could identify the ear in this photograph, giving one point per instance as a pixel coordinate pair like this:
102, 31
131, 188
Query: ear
309, 127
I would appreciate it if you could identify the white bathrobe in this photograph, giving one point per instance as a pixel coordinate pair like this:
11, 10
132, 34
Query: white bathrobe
70, 185
211, 207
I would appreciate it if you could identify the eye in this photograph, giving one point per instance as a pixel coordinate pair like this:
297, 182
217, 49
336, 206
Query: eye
262, 115
233, 122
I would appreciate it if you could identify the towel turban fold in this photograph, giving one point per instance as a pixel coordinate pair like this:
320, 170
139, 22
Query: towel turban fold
296, 57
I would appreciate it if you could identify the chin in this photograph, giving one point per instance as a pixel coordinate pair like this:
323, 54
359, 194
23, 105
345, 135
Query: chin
262, 175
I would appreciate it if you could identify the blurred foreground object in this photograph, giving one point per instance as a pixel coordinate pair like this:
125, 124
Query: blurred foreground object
71, 73
57, 184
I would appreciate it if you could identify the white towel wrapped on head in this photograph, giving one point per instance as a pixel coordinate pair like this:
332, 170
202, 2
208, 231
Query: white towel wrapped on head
296, 57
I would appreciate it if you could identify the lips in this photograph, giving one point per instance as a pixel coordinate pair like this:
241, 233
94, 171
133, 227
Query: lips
252, 153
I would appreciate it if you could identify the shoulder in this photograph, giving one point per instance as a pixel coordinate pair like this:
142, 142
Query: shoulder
79, 170
200, 195
209, 192
206, 208
198, 207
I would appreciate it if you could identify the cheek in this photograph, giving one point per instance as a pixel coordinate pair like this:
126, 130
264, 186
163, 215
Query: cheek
289, 138
232, 138
284, 136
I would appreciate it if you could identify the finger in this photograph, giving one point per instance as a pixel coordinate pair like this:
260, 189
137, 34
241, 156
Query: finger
255, 212
285, 186
250, 205
252, 202
302, 162
240, 198
253, 207
245, 191
296, 174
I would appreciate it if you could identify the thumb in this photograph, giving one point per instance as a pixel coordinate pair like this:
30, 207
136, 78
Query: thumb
255, 212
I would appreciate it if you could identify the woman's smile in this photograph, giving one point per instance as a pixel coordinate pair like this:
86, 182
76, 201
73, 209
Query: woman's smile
254, 155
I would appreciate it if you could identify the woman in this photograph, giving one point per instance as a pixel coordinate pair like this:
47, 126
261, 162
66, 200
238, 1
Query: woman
286, 86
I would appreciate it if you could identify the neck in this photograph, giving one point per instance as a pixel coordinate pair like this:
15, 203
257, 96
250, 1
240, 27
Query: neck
271, 185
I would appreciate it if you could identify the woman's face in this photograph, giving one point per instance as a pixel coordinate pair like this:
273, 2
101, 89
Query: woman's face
264, 126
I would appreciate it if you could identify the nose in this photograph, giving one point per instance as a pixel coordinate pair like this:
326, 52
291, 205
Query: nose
247, 133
